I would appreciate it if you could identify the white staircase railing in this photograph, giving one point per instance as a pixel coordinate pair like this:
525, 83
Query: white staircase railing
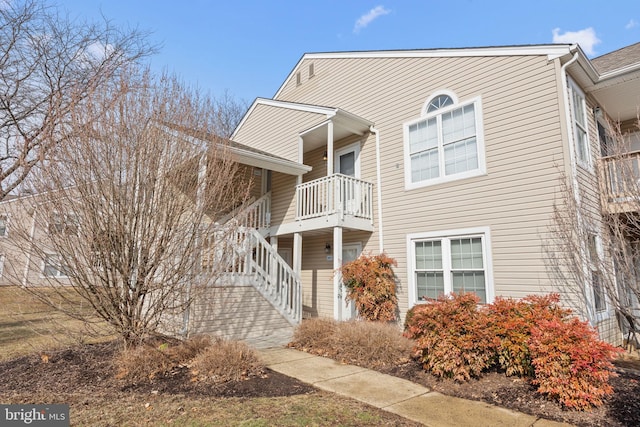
257, 215
243, 252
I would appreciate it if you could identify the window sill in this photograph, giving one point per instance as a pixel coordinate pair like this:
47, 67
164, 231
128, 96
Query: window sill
442, 180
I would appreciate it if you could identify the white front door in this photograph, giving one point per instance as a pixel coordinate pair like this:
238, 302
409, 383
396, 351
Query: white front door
347, 310
347, 162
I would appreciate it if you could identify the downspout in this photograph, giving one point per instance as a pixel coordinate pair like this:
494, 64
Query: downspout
379, 188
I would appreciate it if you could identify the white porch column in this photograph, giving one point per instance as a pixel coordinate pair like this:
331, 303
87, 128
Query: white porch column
273, 241
297, 253
338, 297
330, 148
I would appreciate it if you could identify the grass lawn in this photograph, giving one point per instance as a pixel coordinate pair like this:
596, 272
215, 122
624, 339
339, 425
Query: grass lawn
28, 326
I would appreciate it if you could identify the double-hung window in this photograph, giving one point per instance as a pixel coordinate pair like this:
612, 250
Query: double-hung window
599, 302
452, 262
579, 121
445, 143
53, 267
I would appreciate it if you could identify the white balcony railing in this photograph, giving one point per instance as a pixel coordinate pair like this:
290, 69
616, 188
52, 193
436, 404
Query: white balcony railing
335, 194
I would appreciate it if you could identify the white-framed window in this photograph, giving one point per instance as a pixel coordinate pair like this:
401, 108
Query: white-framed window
598, 293
579, 124
445, 143
450, 261
52, 267
4, 225
63, 223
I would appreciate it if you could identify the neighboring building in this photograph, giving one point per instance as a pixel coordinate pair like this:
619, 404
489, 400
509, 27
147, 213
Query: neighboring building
448, 160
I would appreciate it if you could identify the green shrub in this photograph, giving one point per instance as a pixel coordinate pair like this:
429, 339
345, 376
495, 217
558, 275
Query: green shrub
451, 336
571, 364
371, 285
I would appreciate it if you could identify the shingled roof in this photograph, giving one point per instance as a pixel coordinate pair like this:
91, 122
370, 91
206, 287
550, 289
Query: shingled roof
617, 59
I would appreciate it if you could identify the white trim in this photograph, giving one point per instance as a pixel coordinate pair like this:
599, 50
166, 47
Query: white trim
434, 95
347, 312
573, 87
2, 261
355, 148
482, 166
484, 232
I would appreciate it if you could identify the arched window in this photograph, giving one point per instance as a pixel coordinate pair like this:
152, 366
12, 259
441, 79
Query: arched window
438, 102
445, 143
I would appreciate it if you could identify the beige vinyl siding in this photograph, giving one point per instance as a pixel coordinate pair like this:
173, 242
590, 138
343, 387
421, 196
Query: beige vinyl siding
275, 129
283, 203
522, 120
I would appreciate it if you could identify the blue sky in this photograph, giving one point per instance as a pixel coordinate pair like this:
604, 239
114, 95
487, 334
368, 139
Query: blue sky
248, 47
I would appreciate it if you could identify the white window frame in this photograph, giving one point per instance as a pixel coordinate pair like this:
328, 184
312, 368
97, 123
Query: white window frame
2, 261
59, 271
6, 225
577, 127
480, 170
604, 313
483, 232
355, 147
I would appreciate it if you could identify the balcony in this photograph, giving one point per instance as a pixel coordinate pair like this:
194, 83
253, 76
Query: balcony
620, 182
333, 201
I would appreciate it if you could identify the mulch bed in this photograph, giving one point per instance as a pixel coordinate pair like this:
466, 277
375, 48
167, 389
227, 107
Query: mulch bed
621, 409
88, 371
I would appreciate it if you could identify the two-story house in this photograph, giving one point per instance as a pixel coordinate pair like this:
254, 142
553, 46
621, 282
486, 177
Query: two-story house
448, 160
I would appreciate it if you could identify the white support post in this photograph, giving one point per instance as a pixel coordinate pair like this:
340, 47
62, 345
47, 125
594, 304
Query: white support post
330, 148
338, 300
297, 253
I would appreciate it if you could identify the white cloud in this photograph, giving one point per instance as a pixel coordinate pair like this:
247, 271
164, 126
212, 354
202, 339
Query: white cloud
631, 24
586, 38
369, 17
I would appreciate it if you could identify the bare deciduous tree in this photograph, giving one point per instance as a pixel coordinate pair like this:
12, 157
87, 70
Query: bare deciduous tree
128, 203
594, 245
48, 64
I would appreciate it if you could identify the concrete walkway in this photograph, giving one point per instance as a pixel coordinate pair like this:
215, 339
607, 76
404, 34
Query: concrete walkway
401, 397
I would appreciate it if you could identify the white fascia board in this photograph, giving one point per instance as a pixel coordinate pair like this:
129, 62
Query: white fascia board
264, 161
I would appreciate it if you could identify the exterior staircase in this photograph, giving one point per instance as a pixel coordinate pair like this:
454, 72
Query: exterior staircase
258, 298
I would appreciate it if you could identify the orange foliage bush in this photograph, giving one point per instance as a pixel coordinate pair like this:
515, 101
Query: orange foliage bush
371, 285
571, 364
533, 337
511, 321
451, 336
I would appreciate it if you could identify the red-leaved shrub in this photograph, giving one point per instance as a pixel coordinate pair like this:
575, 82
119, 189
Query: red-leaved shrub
533, 337
571, 364
451, 336
511, 321
371, 285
